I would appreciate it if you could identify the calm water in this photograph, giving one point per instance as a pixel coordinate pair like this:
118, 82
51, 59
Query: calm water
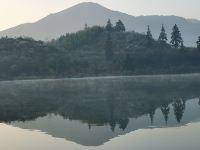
113, 113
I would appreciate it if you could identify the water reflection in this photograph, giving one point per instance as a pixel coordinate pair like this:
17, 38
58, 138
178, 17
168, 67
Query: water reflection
152, 113
91, 112
179, 108
91, 134
165, 111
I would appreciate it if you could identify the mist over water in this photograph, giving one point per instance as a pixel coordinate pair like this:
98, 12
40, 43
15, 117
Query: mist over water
92, 78
101, 113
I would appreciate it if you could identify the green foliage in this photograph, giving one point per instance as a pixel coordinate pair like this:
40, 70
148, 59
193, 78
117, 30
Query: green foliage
162, 61
162, 37
119, 27
176, 39
26, 57
198, 43
76, 40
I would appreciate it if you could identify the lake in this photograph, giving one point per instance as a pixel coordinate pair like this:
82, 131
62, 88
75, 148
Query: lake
160, 112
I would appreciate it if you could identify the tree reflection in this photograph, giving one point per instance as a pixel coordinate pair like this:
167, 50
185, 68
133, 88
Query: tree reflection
165, 111
89, 126
179, 108
123, 123
152, 110
111, 107
151, 115
106, 105
112, 124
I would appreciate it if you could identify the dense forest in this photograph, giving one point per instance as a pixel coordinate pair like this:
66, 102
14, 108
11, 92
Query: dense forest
96, 51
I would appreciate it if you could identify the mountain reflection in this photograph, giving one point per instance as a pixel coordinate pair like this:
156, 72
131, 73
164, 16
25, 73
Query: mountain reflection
123, 105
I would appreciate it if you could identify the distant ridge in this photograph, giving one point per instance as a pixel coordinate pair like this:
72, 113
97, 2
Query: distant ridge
74, 18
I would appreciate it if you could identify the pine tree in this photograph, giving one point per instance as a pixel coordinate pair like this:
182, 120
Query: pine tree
120, 26
176, 39
109, 26
198, 43
86, 26
108, 47
149, 37
163, 37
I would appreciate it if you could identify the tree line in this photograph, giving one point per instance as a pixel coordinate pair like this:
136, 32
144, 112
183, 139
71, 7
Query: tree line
97, 50
176, 37
119, 27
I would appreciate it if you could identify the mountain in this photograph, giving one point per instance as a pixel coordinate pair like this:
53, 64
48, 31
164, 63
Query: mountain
74, 19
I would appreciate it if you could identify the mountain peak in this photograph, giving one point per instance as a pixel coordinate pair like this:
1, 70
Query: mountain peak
89, 4
74, 18
86, 5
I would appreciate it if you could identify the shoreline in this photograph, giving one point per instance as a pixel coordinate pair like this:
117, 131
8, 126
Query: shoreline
102, 77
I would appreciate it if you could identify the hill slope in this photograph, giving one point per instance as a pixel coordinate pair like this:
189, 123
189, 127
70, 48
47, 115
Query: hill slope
85, 54
74, 18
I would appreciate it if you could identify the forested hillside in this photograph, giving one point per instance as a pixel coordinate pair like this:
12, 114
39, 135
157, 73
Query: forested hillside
94, 51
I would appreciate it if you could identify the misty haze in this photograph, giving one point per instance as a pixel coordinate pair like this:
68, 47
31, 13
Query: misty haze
93, 77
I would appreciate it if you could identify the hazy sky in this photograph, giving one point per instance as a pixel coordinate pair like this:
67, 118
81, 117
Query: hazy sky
14, 12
